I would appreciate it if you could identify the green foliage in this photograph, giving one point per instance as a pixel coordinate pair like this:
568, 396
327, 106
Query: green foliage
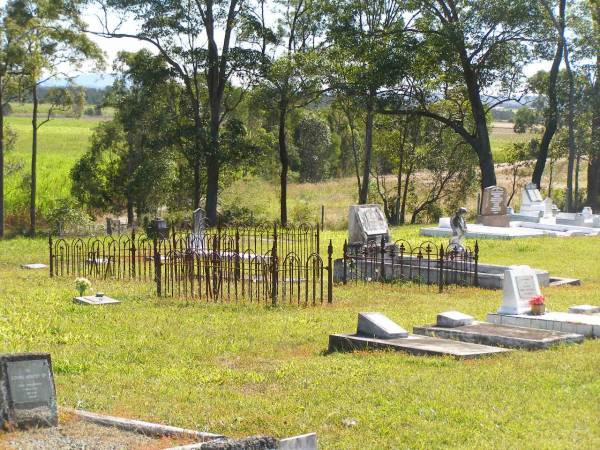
312, 139
525, 119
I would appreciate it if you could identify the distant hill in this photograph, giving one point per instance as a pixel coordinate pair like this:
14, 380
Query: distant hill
91, 80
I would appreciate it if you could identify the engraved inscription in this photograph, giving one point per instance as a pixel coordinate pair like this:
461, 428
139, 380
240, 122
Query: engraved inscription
526, 287
372, 221
29, 382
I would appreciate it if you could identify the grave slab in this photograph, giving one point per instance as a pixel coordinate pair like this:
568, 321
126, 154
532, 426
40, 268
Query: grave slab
302, 442
95, 300
584, 309
587, 325
414, 345
27, 392
500, 335
34, 266
377, 325
452, 319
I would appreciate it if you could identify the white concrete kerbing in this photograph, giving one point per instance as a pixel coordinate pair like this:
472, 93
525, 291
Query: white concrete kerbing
141, 427
587, 325
584, 309
302, 442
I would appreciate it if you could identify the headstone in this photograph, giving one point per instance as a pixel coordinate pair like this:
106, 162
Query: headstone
453, 319
532, 203
367, 223
376, 325
493, 207
302, 442
519, 286
198, 229
584, 309
158, 229
27, 390
109, 223
34, 266
587, 213
98, 299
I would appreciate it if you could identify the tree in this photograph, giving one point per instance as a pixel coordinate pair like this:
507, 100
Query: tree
525, 119
312, 138
471, 54
197, 40
370, 51
52, 38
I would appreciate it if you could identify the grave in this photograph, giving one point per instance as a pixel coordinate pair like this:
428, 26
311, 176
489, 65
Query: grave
367, 224
584, 309
533, 205
98, 299
378, 325
519, 286
198, 229
27, 391
34, 266
586, 325
466, 330
493, 207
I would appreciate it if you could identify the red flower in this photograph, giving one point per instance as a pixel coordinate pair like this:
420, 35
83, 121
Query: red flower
537, 300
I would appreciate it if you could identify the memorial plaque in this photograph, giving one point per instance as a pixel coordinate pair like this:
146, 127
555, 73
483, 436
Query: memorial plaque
526, 287
27, 390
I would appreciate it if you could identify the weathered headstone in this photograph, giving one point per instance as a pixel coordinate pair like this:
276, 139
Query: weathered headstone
532, 203
493, 207
519, 286
27, 393
158, 229
374, 324
367, 223
453, 319
198, 229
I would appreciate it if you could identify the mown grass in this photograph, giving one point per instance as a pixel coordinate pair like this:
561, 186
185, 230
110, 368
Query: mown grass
247, 369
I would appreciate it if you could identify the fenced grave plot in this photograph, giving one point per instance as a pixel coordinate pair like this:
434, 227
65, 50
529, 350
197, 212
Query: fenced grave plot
221, 265
424, 264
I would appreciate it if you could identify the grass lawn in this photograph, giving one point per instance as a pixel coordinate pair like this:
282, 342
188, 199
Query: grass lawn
245, 369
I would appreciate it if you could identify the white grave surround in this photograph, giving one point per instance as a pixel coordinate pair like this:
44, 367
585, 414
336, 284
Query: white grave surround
519, 286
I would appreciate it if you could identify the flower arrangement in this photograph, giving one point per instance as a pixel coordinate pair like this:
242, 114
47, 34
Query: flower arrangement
537, 300
82, 285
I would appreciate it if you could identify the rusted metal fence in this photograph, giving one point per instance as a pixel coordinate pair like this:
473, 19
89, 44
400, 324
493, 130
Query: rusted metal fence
424, 263
222, 265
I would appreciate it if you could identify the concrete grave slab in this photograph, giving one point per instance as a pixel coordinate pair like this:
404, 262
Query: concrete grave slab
95, 300
587, 325
302, 442
451, 319
584, 309
414, 345
377, 325
500, 335
34, 266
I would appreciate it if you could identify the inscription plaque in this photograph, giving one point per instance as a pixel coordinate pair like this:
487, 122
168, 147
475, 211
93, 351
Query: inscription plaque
526, 287
27, 390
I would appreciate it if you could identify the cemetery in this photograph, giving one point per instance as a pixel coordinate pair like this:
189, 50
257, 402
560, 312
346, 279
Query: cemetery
299, 225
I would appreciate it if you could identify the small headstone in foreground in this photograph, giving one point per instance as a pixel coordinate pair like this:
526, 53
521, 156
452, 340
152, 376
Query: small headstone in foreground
34, 266
453, 319
584, 309
27, 393
376, 325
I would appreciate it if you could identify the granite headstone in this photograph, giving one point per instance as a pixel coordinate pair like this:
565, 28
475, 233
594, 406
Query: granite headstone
493, 207
367, 223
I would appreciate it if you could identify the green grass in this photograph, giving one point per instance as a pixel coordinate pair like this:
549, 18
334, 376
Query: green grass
241, 370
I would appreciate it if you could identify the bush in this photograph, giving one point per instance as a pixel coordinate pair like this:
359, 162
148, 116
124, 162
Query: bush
67, 216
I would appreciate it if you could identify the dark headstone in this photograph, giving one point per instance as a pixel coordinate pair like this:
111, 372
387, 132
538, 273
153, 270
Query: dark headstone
27, 393
158, 229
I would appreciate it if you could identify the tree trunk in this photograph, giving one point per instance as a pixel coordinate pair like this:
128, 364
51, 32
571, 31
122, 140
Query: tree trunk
552, 116
364, 189
354, 152
34, 126
593, 176
570, 201
284, 159
1, 160
405, 194
129, 211
213, 162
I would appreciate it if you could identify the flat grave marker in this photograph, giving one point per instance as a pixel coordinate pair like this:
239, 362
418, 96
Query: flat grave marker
27, 390
377, 325
34, 266
98, 299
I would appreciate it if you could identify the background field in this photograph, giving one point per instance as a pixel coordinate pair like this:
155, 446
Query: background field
244, 369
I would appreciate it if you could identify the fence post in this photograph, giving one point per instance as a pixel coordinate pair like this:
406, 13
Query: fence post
345, 249
51, 258
382, 263
157, 271
237, 254
476, 280
330, 272
441, 269
274, 274
318, 239
133, 251
322, 217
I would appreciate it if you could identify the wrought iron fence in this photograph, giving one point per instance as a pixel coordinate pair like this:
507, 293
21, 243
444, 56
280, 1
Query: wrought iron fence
424, 263
222, 265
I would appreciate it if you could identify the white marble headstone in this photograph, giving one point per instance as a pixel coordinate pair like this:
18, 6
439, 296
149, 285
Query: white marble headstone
365, 223
519, 286
376, 325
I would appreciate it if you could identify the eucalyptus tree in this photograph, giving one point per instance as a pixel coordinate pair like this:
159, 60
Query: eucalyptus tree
471, 55
52, 41
200, 41
370, 50
292, 74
